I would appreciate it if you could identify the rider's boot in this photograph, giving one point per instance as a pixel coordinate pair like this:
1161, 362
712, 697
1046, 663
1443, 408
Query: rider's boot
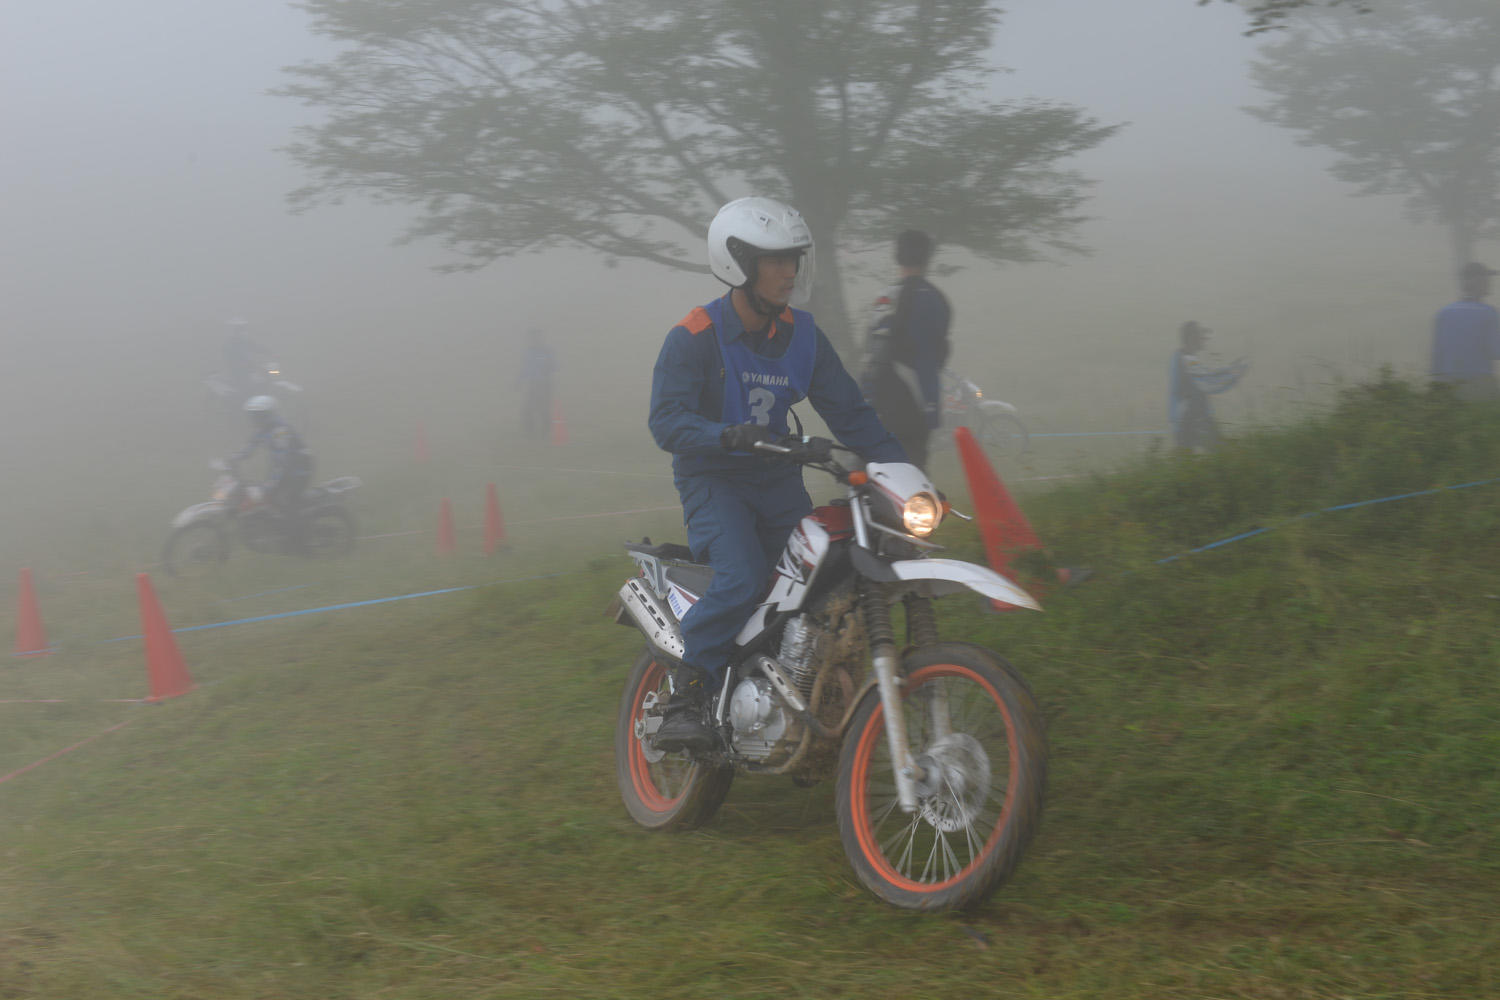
684, 724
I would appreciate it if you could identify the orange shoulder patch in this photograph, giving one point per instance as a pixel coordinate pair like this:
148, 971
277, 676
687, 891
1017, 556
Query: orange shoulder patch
696, 321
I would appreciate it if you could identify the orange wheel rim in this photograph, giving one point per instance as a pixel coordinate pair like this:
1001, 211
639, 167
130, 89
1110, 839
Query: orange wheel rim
641, 778
859, 794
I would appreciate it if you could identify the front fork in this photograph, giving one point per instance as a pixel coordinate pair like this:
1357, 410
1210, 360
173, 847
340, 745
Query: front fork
886, 660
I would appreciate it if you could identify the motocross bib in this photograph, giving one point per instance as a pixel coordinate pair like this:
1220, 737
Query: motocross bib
761, 390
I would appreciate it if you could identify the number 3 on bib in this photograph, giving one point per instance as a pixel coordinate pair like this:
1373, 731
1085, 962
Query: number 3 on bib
761, 401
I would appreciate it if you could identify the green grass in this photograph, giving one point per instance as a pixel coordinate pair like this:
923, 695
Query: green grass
1273, 766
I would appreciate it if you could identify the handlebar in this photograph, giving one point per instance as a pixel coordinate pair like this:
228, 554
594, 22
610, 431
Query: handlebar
815, 451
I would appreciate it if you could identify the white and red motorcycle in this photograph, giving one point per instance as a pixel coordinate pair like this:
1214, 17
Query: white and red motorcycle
201, 532
938, 747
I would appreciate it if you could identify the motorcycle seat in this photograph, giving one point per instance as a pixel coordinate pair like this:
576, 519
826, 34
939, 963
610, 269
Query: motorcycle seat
694, 579
666, 550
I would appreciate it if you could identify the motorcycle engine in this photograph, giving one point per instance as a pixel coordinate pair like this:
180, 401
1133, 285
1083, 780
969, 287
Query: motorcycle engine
758, 716
763, 725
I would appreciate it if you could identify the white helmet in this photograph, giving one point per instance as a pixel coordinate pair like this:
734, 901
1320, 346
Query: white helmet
260, 404
748, 228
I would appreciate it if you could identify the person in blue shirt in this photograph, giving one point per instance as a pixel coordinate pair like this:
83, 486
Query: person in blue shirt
726, 378
290, 465
1466, 337
1189, 385
907, 348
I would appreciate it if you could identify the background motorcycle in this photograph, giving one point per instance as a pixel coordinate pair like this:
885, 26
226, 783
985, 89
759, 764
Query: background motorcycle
938, 747
996, 424
200, 537
227, 399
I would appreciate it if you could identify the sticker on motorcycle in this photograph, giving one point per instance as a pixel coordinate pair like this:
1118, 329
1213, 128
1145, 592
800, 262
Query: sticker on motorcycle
679, 602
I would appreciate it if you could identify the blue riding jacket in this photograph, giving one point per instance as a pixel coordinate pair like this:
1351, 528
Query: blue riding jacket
288, 455
712, 373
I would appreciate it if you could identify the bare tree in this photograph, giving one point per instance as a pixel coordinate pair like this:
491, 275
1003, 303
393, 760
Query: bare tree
621, 125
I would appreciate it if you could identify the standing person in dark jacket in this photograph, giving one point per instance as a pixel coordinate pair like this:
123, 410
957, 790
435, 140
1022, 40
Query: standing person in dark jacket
290, 465
538, 364
907, 348
726, 378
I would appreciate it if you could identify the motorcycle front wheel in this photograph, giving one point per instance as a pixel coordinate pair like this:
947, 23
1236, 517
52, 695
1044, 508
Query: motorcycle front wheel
662, 791
195, 551
329, 531
977, 737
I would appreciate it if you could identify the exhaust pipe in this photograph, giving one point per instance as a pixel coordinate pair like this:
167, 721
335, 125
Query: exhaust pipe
643, 609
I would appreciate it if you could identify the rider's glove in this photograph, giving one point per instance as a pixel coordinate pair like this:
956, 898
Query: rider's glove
742, 437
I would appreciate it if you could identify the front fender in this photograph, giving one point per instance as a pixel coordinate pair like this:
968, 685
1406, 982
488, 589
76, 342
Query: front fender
952, 575
209, 510
992, 407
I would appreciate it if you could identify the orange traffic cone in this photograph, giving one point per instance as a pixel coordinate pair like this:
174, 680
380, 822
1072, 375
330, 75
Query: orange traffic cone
494, 524
1002, 526
166, 674
31, 638
422, 453
445, 528
559, 425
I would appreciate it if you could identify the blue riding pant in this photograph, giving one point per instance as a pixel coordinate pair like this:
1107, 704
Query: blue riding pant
738, 524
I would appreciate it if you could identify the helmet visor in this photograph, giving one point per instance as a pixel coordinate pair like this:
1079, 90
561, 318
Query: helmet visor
807, 275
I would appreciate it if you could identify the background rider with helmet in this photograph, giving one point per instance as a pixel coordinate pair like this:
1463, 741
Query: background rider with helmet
726, 378
290, 464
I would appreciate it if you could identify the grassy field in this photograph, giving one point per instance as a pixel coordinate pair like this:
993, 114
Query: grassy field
1273, 764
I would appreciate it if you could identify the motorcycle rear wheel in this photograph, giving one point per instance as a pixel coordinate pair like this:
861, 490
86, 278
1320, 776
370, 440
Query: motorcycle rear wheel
662, 791
195, 551
978, 735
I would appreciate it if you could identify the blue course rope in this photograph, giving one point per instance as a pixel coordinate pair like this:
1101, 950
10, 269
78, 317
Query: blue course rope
346, 606
1087, 434
1326, 510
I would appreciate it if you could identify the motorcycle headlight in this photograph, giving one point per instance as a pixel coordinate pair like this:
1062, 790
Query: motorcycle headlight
921, 515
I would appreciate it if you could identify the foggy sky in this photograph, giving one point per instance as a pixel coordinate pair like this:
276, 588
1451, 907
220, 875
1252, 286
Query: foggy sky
144, 205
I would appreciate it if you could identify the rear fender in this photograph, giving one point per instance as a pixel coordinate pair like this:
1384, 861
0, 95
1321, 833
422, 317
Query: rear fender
209, 510
949, 576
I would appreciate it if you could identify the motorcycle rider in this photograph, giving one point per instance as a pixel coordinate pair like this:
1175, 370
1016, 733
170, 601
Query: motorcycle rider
290, 469
244, 359
726, 378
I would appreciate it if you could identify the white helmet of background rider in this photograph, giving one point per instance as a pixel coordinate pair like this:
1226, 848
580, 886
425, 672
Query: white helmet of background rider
749, 228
